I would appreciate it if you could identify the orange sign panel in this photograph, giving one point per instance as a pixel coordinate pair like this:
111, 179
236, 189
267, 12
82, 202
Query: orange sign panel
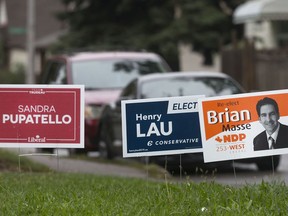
239, 126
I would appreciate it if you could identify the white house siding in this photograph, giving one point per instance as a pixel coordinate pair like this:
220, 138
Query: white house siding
19, 57
192, 61
262, 33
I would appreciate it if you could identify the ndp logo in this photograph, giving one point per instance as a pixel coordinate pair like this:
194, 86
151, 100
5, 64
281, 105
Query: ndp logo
231, 138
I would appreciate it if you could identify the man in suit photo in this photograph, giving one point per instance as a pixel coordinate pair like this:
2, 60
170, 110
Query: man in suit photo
275, 134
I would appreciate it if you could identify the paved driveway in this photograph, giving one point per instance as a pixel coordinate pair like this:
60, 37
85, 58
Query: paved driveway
244, 173
62, 163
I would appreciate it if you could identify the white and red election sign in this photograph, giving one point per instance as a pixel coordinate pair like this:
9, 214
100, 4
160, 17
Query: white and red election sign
46, 116
231, 128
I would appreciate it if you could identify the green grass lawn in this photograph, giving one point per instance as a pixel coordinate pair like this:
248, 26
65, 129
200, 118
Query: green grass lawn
36, 190
86, 194
10, 161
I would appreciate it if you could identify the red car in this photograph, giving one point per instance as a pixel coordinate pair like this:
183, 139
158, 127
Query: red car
104, 74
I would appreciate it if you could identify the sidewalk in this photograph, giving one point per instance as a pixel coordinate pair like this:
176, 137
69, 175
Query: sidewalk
62, 163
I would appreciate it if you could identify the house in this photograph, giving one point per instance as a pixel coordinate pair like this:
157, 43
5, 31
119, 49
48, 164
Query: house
13, 26
260, 64
47, 29
265, 22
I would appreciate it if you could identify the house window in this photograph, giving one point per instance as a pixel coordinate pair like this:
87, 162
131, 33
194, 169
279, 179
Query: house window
281, 33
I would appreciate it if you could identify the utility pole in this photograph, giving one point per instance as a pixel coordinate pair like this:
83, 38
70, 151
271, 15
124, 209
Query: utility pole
180, 45
30, 35
3, 35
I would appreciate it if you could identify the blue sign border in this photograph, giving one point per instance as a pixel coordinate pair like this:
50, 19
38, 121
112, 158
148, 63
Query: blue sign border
161, 126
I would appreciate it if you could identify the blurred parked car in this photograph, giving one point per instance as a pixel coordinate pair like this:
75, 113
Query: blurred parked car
104, 74
168, 85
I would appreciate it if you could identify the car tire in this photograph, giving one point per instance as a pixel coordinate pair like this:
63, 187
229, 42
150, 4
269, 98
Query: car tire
105, 144
105, 151
268, 163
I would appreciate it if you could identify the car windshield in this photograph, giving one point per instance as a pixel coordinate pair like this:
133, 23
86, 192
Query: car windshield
99, 74
184, 86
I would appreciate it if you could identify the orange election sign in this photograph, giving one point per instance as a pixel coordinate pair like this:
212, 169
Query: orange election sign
232, 129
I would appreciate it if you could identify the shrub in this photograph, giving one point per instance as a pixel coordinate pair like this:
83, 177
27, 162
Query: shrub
17, 76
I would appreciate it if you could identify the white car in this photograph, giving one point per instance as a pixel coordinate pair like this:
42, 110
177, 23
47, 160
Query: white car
169, 85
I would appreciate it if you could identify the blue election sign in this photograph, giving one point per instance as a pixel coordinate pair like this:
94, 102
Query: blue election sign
161, 126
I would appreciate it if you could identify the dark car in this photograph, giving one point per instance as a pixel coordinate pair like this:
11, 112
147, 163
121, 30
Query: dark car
168, 85
104, 74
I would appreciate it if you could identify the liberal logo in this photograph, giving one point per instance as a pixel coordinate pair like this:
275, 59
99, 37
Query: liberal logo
37, 139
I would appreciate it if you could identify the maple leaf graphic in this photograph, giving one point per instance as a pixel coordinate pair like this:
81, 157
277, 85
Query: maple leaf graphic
218, 139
